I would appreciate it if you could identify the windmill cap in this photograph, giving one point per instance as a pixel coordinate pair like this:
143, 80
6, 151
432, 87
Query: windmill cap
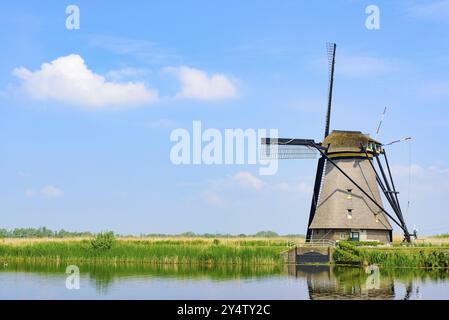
347, 141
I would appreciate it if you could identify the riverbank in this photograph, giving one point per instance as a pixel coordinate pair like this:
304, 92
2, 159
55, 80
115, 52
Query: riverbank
235, 251
204, 251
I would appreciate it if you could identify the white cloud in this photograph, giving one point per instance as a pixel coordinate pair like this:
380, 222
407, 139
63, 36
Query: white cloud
126, 73
212, 198
423, 195
197, 84
67, 79
425, 180
23, 174
46, 192
51, 192
420, 171
247, 180
300, 187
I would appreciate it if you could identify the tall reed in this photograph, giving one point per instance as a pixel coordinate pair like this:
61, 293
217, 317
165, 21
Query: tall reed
157, 252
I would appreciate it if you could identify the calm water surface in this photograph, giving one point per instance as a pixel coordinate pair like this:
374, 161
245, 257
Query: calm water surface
182, 282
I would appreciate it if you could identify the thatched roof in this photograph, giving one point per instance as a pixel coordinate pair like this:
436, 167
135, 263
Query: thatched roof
346, 141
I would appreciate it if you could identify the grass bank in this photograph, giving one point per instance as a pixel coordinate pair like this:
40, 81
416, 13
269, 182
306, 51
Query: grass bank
235, 251
245, 251
394, 256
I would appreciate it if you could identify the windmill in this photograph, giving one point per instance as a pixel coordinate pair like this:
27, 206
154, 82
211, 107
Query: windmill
346, 202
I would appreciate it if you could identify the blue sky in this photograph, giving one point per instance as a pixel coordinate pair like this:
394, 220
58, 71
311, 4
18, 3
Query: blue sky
99, 159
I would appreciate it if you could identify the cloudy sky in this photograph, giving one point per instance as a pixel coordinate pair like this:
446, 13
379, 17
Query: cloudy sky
86, 114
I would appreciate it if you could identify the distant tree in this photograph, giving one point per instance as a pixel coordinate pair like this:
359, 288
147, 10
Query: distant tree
4, 233
188, 234
42, 232
266, 234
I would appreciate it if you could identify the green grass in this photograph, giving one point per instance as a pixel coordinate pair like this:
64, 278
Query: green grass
156, 252
214, 252
420, 256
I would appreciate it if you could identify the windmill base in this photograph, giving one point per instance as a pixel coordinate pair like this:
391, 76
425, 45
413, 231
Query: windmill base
384, 236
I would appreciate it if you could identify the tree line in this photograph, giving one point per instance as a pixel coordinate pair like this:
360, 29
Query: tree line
44, 232
41, 232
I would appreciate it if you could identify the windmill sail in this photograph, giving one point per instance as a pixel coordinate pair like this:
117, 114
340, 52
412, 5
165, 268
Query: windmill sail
282, 148
316, 193
331, 48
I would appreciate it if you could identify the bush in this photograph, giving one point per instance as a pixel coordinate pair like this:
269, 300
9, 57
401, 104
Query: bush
354, 244
367, 243
347, 246
347, 253
344, 257
103, 241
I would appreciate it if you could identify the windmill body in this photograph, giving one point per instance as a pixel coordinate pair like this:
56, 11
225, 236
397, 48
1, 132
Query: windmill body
343, 212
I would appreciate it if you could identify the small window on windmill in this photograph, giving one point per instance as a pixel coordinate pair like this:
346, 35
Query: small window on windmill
349, 214
370, 147
378, 148
349, 196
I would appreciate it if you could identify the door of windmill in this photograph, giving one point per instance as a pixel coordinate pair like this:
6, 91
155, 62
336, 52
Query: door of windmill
354, 236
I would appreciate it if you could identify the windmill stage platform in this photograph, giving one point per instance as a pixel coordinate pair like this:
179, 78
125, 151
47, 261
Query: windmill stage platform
318, 251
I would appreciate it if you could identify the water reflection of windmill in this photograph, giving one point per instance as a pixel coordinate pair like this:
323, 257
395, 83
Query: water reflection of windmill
332, 283
346, 202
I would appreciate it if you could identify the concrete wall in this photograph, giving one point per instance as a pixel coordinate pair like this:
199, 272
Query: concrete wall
291, 256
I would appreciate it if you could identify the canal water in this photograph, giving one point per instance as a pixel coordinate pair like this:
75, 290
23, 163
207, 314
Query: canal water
205, 282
